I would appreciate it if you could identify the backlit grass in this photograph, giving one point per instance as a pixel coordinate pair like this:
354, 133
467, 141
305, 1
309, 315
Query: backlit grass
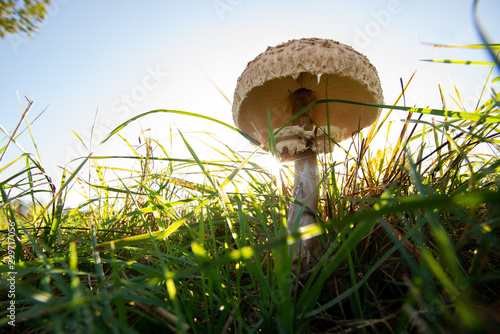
406, 240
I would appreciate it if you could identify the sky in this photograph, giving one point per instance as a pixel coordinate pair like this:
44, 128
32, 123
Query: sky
95, 64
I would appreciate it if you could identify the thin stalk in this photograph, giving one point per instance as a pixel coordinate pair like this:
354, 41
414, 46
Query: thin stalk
306, 179
305, 191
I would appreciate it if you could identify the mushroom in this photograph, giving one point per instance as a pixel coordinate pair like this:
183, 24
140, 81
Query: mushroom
310, 69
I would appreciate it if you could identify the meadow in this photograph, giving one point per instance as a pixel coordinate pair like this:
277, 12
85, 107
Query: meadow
407, 234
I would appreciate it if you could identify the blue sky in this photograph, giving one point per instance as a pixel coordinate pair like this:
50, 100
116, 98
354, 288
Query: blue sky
111, 60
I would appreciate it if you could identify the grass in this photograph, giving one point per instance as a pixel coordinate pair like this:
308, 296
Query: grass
406, 240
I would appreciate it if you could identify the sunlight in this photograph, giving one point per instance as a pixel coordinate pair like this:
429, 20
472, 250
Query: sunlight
145, 199
273, 165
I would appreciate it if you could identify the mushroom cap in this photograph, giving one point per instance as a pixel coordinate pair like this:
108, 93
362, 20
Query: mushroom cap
327, 68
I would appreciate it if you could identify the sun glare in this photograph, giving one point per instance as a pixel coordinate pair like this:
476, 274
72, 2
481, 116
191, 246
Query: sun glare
272, 165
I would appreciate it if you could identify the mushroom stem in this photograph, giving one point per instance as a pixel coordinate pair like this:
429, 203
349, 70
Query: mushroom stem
304, 97
306, 178
305, 191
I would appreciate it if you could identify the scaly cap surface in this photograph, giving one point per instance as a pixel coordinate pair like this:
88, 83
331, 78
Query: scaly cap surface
328, 68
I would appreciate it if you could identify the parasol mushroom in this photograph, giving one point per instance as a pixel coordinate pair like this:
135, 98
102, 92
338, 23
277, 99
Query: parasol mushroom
310, 69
